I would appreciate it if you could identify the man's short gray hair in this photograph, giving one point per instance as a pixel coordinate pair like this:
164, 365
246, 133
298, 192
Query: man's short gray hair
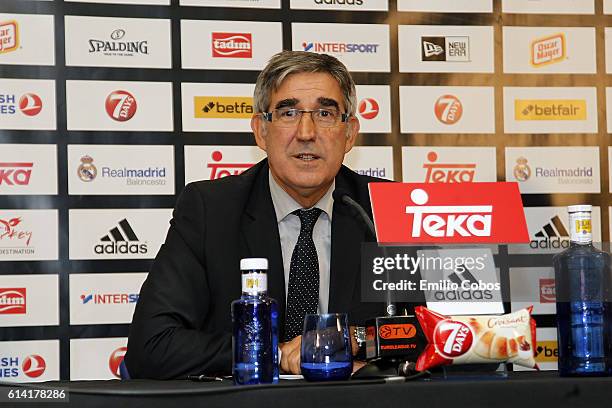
293, 62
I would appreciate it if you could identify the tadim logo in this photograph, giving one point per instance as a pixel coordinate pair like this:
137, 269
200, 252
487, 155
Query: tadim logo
15, 174
452, 339
448, 172
232, 45
121, 105
548, 50
30, 104
9, 36
368, 108
448, 109
34, 366
86, 170
12, 300
521, 170
115, 360
548, 292
220, 169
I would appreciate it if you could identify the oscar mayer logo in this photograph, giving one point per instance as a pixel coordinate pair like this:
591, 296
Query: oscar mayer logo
448, 109
550, 109
9, 36
232, 45
548, 50
121, 105
448, 172
368, 108
12, 300
15, 174
223, 107
219, 169
448, 213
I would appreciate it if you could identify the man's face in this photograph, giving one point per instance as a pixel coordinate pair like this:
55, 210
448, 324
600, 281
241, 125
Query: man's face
305, 158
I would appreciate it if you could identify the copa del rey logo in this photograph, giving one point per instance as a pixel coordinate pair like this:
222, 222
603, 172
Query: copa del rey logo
448, 213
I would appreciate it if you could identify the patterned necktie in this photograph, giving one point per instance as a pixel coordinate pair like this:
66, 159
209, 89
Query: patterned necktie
303, 291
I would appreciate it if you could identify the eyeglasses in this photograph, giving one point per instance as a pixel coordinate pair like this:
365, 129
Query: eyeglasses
289, 117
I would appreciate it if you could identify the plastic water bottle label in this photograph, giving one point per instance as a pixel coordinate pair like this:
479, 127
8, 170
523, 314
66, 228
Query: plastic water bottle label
254, 283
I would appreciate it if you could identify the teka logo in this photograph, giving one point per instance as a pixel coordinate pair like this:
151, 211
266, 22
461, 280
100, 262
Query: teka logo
12, 300
15, 174
34, 366
9, 36
87, 171
117, 47
121, 105
334, 47
547, 351
218, 169
30, 104
115, 360
121, 240
9, 232
232, 45
448, 172
550, 109
451, 49
448, 213
548, 292
223, 107
553, 235
368, 108
452, 339
448, 109
397, 331
109, 298
521, 170
548, 50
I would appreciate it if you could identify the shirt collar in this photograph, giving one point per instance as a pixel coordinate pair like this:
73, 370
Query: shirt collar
284, 204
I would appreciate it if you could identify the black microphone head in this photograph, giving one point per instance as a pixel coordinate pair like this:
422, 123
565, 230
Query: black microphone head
339, 194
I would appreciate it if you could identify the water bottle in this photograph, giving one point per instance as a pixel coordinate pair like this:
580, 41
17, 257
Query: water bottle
584, 311
255, 327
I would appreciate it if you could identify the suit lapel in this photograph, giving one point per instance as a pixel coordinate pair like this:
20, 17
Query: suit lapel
260, 231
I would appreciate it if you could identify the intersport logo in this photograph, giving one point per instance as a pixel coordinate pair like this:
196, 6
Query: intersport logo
448, 213
13, 301
9, 36
340, 47
15, 174
232, 45
448, 172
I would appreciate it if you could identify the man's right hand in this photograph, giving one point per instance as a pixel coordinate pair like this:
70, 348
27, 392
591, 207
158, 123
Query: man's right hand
290, 358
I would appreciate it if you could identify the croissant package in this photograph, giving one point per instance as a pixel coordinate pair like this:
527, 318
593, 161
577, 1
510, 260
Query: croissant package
477, 339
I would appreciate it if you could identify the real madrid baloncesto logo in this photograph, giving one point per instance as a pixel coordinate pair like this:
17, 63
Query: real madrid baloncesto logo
87, 171
522, 171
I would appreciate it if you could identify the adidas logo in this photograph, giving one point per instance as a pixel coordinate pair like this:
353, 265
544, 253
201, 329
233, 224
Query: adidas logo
121, 240
462, 294
553, 235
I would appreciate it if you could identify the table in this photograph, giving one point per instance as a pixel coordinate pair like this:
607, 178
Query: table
520, 389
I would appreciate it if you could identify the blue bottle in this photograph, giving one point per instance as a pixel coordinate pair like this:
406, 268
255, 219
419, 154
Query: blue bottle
584, 311
255, 327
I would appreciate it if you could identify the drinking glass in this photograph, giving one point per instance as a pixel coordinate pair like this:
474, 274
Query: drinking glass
326, 347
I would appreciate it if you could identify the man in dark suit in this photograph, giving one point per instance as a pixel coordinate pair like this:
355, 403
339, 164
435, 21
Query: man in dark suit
305, 122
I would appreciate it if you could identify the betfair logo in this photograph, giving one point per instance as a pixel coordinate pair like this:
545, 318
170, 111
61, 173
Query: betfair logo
547, 352
223, 107
550, 109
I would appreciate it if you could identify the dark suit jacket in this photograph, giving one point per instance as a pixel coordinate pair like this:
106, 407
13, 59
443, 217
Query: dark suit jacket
182, 323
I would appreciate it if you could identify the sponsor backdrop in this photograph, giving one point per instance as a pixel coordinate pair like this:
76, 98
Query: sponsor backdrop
109, 107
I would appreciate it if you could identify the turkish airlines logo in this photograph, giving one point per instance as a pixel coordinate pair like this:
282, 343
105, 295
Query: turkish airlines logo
30, 104
548, 292
219, 169
232, 45
9, 36
12, 174
452, 339
448, 213
34, 366
121, 105
368, 108
448, 172
448, 109
12, 300
115, 360
548, 50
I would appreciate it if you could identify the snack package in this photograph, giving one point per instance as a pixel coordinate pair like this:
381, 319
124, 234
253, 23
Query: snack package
477, 339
